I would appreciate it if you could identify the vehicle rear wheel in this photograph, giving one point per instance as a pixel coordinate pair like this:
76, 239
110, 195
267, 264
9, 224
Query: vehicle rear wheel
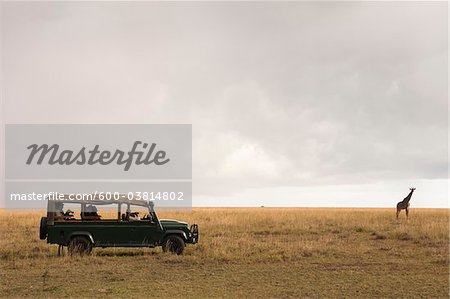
43, 228
79, 245
173, 244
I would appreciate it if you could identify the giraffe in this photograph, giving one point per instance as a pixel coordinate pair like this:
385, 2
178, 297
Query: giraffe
404, 204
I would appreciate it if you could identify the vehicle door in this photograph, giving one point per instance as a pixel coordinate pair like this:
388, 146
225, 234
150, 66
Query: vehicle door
144, 232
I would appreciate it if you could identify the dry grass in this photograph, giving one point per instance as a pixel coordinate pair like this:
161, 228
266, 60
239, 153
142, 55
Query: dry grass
252, 252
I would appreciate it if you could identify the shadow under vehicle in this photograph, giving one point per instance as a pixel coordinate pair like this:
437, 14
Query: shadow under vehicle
80, 235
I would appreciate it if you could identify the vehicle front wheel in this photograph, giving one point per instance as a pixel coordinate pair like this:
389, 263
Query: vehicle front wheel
79, 245
173, 244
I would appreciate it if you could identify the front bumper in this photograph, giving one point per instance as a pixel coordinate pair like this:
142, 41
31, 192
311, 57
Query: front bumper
193, 234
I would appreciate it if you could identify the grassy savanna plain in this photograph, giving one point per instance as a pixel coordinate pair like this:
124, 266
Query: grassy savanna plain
245, 252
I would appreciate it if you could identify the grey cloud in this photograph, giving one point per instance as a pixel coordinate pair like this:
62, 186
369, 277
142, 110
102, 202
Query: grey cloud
279, 94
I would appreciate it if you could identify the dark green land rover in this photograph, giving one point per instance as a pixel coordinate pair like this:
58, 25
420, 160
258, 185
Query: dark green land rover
126, 229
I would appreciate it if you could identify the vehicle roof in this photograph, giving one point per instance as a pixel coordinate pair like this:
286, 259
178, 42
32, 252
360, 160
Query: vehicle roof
96, 199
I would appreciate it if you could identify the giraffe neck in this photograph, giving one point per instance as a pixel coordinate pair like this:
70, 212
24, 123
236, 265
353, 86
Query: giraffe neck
408, 198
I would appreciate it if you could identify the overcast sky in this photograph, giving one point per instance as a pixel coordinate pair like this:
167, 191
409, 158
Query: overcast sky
292, 104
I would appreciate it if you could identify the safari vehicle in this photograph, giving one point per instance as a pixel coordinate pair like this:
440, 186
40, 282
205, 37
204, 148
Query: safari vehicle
126, 229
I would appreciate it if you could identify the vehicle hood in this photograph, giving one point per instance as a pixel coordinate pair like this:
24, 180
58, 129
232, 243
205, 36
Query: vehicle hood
171, 223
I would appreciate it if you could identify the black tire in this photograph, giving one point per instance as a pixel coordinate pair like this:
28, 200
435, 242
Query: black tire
43, 228
79, 245
173, 244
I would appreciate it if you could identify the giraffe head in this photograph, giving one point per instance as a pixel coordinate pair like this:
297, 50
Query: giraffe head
412, 189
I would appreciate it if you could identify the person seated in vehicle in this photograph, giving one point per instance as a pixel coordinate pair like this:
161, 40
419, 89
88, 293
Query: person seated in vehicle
69, 215
147, 217
90, 213
134, 216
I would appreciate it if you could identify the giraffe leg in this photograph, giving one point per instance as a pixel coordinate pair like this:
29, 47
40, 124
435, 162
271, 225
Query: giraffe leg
398, 212
407, 213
